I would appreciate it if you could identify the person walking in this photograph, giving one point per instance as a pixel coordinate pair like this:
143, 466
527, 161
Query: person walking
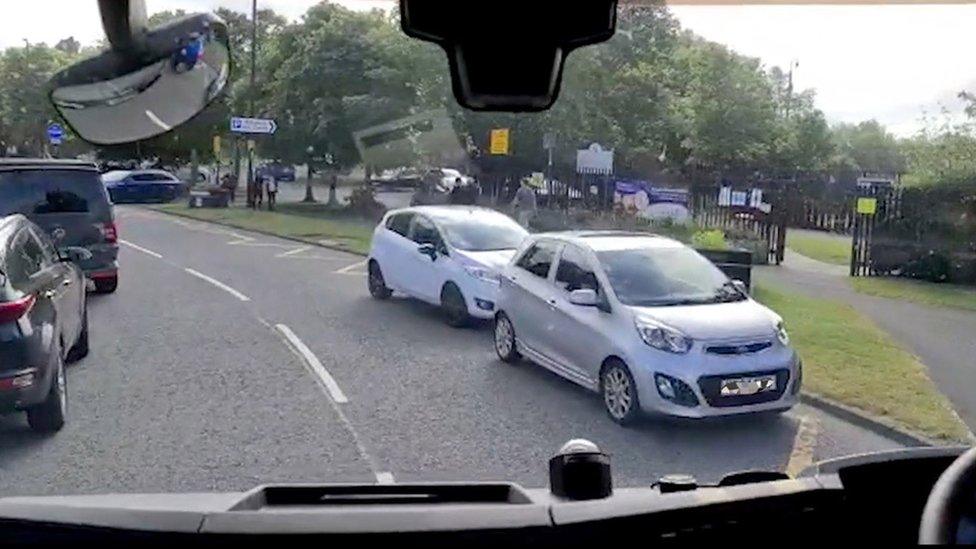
524, 204
271, 187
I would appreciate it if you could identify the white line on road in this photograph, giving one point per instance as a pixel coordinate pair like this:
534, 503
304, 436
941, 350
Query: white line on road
218, 284
295, 251
140, 248
152, 116
385, 478
351, 269
312, 361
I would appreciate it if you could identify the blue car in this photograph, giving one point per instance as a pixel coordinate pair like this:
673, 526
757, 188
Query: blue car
143, 186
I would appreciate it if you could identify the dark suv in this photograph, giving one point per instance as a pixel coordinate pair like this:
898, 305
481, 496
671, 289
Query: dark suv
68, 200
43, 322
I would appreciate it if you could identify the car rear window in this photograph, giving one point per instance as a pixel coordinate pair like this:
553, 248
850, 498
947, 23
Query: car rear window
38, 192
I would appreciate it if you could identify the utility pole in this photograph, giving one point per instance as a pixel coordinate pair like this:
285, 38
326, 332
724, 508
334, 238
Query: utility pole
789, 87
251, 194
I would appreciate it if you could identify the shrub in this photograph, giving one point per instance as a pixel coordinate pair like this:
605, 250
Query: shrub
709, 239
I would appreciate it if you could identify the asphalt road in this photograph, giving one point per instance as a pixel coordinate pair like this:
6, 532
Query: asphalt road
194, 385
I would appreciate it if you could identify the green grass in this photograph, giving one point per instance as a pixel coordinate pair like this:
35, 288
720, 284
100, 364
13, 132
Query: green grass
825, 247
308, 222
926, 293
848, 359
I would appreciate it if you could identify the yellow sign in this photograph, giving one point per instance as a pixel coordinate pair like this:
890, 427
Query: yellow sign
216, 145
499, 141
867, 206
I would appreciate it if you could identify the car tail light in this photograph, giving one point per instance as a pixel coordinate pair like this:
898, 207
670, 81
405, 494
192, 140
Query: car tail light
13, 310
109, 232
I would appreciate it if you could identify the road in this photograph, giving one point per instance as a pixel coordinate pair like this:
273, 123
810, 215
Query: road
228, 359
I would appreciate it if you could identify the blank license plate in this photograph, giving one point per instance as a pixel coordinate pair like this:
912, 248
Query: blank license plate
748, 385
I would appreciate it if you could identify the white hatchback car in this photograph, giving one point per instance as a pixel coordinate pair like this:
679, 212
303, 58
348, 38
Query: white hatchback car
647, 322
449, 256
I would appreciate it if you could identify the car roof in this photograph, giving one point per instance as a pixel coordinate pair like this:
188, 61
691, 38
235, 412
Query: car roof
448, 212
42, 163
602, 241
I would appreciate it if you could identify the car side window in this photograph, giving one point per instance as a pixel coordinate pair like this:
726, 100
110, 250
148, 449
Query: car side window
24, 260
574, 272
400, 223
424, 231
538, 258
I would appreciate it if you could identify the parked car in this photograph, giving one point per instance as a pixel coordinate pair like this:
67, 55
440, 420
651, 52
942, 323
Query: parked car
43, 322
449, 256
277, 170
68, 200
647, 322
139, 186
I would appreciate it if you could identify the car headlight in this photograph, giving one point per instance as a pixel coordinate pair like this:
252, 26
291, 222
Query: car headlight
781, 334
664, 338
486, 275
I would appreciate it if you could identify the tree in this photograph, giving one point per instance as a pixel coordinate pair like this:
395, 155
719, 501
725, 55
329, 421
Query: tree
25, 111
867, 147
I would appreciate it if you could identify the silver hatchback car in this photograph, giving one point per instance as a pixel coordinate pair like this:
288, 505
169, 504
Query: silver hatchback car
647, 322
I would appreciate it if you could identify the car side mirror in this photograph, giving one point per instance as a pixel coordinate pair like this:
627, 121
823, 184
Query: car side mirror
429, 250
741, 286
584, 298
122, 96
74, 254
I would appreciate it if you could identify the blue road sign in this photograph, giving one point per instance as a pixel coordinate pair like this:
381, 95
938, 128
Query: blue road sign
253, 125
55, 133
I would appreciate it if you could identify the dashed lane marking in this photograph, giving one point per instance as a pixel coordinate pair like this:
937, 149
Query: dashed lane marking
352, 270
804, 445
218, 284
140, 249
314, 365
298, 250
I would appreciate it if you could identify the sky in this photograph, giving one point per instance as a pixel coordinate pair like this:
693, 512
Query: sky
884, 62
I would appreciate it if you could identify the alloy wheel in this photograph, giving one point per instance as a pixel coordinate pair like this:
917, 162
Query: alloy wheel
617, 392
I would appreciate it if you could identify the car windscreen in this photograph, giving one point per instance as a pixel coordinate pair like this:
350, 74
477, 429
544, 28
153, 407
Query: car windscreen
482, 233
38, 192
647, 277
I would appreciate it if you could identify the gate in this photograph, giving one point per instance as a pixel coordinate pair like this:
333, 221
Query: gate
874, 204
769, 227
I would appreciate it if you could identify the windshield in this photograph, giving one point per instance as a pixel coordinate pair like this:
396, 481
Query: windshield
280, 289
665, 276
483, 233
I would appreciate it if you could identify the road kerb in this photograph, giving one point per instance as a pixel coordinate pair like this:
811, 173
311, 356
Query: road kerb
875, 424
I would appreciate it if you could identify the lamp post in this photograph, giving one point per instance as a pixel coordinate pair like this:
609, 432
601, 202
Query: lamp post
308, 181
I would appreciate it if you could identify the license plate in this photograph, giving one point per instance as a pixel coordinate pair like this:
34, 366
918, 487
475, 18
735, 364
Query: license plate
748, 385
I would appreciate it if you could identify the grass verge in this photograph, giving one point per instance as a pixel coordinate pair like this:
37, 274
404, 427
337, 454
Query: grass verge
926, 293
825, 247
848, 359
307, 222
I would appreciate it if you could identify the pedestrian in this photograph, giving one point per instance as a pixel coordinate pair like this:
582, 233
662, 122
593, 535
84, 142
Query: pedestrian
524, 204
271, 186
258, 191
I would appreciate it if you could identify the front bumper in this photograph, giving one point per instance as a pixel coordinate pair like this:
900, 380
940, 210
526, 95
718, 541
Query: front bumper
481, 298
701, 374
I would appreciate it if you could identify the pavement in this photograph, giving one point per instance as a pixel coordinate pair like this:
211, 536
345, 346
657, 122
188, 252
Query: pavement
942, 338
228, 359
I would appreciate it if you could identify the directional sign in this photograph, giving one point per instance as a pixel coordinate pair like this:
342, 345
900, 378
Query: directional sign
55, 133
253, 125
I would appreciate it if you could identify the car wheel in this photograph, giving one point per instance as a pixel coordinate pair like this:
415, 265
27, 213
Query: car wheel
48, 416
454, 307
619, 393
80, 349
106, 285
376, 282
505, 339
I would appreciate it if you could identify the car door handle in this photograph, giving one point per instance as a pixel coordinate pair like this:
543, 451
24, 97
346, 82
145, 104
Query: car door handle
552, 303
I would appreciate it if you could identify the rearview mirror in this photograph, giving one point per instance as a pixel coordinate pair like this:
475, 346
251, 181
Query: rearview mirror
75, 254
429, 250
124, 96
584, 298
741, 286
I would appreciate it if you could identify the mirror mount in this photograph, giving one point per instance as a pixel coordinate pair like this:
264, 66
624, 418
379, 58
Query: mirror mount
741, 286
74, 254
126, 24
429, 250
584, 298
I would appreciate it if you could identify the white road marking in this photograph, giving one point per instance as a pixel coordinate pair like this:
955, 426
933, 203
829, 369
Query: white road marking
140, 248
295, 251
218, 284
385, 478
312, 361
155, 119
804, 445
351, 269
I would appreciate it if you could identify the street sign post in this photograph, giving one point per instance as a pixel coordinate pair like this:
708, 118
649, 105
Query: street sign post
55, 134
253, 125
